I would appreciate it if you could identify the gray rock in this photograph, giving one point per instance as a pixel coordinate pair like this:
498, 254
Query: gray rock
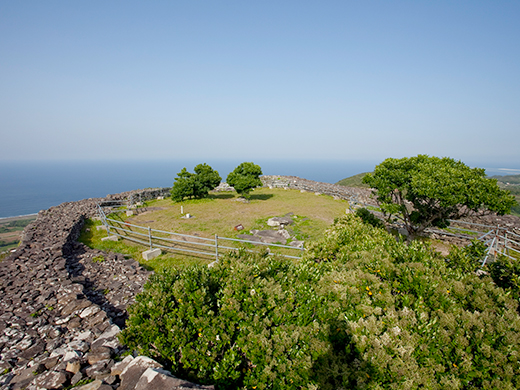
118, 368
23, 376
51, 380
284, 233
279, 221
76, 378
79, 345
133, 371
158, 379
108, 338
6, 379
101, 367
297, 244
98, 354
271, 236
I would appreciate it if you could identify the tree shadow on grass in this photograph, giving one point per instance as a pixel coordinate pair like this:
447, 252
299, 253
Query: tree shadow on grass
221, 196
260, 196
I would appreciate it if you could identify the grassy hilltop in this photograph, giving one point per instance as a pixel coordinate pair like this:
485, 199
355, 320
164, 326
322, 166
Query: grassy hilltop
354, 181
219, 214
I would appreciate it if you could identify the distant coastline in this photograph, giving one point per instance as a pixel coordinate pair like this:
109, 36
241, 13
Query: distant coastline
30, 186
17, 217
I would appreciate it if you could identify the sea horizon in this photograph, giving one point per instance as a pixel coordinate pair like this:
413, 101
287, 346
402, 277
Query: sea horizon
30, 186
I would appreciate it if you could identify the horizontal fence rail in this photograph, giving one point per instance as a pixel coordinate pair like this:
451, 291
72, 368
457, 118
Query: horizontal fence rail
172, 241
499, 240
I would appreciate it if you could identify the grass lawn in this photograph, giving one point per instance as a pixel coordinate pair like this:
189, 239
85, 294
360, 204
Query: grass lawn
219, 214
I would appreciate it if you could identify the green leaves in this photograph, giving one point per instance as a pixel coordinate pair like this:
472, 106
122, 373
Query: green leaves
423, 191
196, 185
359, 311
245, 177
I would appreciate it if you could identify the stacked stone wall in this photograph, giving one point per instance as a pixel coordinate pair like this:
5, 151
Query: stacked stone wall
62, 306
352, 194
148, 194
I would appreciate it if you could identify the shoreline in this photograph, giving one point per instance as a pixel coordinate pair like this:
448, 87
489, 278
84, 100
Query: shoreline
18, 217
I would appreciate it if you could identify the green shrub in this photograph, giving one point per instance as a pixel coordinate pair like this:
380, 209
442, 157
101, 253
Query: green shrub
359, 311
506, 274
98, 259
367, 217
468, 258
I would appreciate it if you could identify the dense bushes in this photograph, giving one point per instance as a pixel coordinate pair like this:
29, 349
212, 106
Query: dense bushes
360, 311
506, 273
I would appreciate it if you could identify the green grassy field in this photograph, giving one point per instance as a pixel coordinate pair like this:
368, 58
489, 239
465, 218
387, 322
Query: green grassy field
219, 214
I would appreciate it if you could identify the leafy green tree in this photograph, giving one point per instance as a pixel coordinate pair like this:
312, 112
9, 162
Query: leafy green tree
184, 185
196, 184
425, 191
245, 177
206, 179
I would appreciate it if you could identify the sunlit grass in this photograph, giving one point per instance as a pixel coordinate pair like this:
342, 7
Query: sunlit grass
219, 214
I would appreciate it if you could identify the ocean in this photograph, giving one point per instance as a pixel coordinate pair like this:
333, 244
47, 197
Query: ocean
30, 186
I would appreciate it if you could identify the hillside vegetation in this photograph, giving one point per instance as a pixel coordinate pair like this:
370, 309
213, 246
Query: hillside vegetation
511, 179
512, 184
360, 311
354, 181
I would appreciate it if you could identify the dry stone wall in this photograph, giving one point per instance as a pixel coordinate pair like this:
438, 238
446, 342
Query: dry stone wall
352, 194
148, 194
62, 306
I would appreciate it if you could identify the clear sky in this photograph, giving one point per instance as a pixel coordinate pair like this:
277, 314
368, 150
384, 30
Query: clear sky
317, 80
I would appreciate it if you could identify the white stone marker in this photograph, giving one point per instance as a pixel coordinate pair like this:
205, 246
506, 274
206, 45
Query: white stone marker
151, 253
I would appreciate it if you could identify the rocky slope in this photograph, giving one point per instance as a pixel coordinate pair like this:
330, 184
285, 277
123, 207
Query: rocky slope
62, 307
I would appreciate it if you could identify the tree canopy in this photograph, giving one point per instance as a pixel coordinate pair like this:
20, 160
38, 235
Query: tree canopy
245, 177
196, 184
206, 179
425, 191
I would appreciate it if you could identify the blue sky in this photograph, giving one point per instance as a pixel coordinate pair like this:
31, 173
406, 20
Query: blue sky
328, 80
